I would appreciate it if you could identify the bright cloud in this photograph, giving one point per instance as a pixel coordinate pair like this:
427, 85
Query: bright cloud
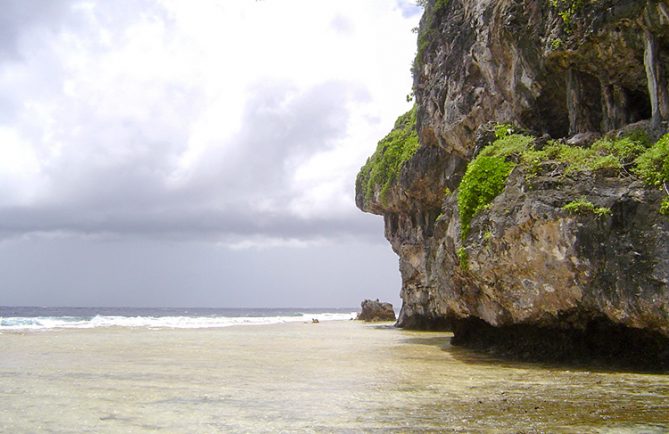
226, 120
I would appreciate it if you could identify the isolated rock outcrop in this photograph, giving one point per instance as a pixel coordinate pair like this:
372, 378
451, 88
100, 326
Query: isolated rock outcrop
374, 310
575, 237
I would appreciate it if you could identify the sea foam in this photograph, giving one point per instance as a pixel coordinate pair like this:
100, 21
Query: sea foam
158, 322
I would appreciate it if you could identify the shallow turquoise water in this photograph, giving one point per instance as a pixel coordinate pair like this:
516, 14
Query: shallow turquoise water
341, 376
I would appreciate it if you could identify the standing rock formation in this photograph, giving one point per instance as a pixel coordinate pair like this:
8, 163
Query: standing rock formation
374, 310
503, 230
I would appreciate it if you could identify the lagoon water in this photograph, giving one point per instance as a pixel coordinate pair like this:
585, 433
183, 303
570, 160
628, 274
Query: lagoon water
335, 376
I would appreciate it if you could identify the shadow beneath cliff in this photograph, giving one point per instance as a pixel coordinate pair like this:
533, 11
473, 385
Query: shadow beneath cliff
490, 357
601, 346
598, 349
493, 357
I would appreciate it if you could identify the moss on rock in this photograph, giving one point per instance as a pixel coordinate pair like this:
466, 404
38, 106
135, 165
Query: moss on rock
653, 164
384, 166
487, 174
427, 30
583, 206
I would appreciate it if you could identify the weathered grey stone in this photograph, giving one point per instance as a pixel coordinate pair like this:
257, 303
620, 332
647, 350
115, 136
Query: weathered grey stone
529, 262
583, 139
374, 310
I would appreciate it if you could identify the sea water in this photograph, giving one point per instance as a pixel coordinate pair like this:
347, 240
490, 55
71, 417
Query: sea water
41, 318
299, 376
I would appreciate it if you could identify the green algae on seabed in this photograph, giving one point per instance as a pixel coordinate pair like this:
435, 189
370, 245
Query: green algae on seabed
334, 377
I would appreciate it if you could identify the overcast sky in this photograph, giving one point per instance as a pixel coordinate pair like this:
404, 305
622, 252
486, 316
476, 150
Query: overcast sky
175, 153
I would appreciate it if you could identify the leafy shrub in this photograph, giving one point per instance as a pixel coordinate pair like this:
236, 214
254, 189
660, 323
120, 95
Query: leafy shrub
566, 10
509, 145
584, 206
604, 155
664, 207
463, 258
626, 149
427, 31
639, 135
486, 175
605, 163
653, 164
484, 179
653, 167
384, 166
503, 130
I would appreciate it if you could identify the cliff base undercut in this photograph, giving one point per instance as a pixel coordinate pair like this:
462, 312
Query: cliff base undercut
600, 342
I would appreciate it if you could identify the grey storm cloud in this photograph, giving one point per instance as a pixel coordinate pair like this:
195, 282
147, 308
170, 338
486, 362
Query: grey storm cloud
145, 145
20, 16
278, 126
113, 177
28, 30
21, 19
18, 19
114, 170
96, 193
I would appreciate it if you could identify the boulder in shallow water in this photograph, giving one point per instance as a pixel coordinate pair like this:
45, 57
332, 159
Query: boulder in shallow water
374, 310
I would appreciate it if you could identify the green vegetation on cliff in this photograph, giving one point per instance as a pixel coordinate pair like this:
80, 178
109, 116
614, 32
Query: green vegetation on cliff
487, 174
653, 164
613, 155
427, 30
384, 166
610, 155
584, 206
484, 180
653, 167
567, 9
463, 258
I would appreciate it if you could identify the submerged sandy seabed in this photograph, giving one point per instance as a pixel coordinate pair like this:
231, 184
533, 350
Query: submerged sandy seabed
332, 376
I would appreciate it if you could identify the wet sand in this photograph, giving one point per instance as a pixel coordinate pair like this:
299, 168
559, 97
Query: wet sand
333, 376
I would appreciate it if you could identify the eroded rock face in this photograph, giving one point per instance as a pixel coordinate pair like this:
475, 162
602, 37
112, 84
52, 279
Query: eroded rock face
530, 262
527, 261
374, 310
518, 61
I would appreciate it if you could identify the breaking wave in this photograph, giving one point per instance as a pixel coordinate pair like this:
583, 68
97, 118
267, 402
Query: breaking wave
158, 322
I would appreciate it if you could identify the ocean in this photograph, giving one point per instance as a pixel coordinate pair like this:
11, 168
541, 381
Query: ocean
269, 370
42, 318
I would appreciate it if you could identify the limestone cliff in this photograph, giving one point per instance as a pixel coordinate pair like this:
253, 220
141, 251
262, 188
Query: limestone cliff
529, 199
